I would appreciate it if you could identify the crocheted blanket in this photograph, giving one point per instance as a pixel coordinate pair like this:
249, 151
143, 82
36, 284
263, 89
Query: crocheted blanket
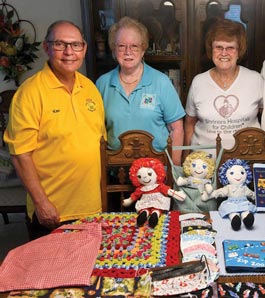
128, 251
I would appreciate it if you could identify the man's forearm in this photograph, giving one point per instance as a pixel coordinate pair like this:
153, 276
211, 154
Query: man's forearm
45, 210
26, 170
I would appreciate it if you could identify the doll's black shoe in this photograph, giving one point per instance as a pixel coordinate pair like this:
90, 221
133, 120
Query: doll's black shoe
249, 220
141, 219
236, 222
153, 220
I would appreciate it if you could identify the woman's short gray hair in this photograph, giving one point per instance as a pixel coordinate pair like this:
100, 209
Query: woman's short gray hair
127, 22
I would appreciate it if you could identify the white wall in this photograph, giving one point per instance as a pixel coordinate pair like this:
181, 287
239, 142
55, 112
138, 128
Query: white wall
42, 13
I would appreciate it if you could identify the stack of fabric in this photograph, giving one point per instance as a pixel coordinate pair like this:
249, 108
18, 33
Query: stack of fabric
197, 240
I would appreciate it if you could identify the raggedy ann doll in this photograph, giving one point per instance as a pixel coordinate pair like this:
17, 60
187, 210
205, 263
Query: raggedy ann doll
235, 174
198, 168
151, 194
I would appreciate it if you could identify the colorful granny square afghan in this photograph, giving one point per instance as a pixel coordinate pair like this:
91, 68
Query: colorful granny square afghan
128, 251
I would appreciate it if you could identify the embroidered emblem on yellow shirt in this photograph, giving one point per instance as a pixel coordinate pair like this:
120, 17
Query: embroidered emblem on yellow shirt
90, 104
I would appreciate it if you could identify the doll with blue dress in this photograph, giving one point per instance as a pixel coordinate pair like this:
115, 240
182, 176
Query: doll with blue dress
235, 174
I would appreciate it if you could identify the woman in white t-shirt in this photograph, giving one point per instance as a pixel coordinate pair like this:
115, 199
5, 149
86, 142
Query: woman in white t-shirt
227, 97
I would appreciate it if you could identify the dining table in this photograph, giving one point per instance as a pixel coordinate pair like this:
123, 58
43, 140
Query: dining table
220, 282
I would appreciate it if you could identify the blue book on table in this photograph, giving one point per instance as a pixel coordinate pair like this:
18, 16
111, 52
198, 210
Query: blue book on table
244, 255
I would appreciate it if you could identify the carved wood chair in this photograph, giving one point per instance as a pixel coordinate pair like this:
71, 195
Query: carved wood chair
249, 145
115, 165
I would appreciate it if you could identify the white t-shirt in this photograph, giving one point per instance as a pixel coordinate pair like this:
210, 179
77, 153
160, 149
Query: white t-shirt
224, 111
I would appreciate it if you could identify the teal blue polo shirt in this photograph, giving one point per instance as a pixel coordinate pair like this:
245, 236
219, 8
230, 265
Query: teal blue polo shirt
152, 105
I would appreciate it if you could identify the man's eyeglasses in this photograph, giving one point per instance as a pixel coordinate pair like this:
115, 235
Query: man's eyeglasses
133, 47
229, 49
59, 45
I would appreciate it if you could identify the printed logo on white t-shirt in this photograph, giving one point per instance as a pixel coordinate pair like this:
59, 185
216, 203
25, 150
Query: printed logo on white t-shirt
226, 105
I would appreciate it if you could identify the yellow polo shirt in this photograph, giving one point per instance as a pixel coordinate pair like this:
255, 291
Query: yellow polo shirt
63, 130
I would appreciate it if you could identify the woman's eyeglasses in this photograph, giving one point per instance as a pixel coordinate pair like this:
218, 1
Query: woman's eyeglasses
59, 45
229, 50
133, 47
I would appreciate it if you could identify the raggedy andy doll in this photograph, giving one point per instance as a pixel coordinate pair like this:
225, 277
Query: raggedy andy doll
151, 194
235, 174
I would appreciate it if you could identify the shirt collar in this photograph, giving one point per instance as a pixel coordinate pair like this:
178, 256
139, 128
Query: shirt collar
53, 82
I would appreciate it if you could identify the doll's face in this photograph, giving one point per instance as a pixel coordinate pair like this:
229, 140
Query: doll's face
236, 175
199, 168
146, 176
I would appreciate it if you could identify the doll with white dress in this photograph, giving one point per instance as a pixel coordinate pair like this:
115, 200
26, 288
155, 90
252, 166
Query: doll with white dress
235, 174
151, 194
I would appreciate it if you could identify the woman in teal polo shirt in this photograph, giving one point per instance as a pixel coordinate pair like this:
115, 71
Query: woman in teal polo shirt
135, 95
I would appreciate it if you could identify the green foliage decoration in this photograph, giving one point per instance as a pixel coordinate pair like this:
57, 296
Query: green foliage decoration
17, 52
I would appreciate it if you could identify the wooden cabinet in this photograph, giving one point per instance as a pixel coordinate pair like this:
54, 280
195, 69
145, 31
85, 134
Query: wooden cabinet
166, 22
96, 17
167, 25
250, 13
177, 29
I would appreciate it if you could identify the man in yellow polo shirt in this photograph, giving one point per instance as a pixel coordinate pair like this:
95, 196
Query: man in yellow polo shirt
55, 124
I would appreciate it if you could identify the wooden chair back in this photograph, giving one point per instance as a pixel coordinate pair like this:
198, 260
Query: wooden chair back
249, 145
115, 164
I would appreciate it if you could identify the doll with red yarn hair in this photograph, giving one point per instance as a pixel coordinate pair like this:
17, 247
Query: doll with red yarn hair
151, 194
